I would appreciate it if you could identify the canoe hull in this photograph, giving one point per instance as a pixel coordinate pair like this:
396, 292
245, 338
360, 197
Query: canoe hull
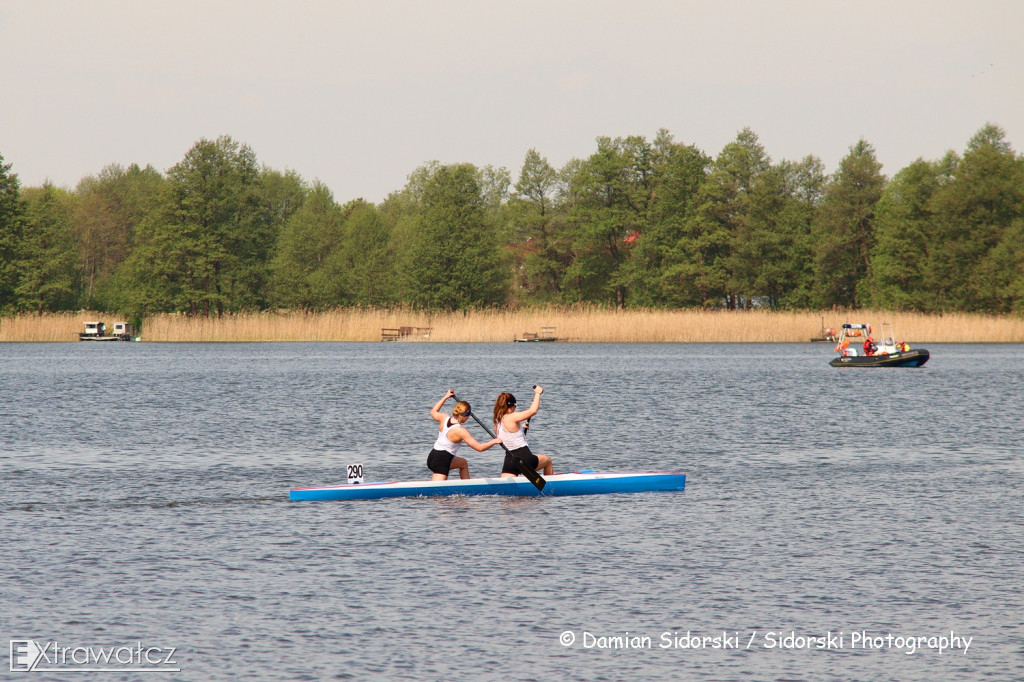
910, 358
559, 485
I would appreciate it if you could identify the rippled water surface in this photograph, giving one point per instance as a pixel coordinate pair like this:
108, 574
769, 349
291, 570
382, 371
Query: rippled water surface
144, 499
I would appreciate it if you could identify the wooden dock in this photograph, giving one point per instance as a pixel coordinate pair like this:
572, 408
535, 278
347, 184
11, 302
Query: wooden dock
545, 334
399, 333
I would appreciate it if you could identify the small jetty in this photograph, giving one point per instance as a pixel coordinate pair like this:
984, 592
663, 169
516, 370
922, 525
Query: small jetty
400, 333
826, 335
545, 334
97, 331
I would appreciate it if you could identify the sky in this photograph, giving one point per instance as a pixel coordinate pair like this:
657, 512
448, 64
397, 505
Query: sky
359, 94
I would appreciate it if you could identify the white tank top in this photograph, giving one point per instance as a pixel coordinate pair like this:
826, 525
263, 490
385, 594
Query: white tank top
512, 439
442, 442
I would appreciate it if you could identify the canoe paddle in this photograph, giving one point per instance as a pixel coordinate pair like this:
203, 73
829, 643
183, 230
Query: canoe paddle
531, 474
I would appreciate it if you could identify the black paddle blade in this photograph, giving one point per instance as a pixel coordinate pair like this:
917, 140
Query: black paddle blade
530, 473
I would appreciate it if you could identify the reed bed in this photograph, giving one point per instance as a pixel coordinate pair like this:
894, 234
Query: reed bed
577, 323
48, 327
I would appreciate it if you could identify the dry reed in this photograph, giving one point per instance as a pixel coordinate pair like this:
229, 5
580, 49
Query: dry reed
48, 326
578, 323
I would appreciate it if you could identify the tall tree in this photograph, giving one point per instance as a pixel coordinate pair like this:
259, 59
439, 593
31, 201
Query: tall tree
367, 257
607, 200
678, 172
787, 277
47, 267
203, 251
844, 230
453, 259
11, 232
974, 211
108, 210
900, 272
724, 234
312, 234
539, 266
279, 196
756, 258
1002, 270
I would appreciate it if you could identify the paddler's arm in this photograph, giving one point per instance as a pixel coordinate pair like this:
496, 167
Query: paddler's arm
532, 409
468, 439
435, 412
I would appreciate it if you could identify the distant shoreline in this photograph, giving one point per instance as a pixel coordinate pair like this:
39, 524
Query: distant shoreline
582, 324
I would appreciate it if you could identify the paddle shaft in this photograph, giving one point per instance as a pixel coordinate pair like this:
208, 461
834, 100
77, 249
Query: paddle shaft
534, 477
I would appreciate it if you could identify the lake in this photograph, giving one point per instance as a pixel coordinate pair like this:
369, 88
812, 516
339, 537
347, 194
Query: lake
836, 524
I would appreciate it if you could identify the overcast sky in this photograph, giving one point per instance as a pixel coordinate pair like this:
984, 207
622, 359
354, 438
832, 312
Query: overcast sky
358, 94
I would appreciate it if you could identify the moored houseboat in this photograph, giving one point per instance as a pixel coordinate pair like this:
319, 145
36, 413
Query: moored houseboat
97, 331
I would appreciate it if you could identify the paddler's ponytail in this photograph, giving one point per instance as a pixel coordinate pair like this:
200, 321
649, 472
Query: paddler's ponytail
505, 403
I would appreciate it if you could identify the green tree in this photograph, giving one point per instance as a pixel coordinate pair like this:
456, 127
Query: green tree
750, 196
539, 262
312, 234
367, 257
1002, 271
607, 200
400, 215
11, 234
108, 210
453, 260
974, 211
844, 230
900, 273
678, 172
205, 249
722, 238
47, 266
279, 196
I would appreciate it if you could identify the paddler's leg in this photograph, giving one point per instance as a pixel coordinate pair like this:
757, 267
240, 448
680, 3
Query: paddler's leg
535, 462
462, 465
508, 469
440, 463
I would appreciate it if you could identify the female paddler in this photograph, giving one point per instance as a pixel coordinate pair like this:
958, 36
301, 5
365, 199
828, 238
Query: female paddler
451, 435
508, 426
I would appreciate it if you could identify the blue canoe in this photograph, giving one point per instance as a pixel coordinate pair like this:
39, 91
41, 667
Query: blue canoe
558, 485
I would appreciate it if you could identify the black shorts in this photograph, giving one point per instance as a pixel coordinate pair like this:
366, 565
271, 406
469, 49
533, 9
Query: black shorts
528, 457
440, 461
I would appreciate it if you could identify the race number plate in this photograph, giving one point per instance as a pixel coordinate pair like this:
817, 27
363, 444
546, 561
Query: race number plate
355, 473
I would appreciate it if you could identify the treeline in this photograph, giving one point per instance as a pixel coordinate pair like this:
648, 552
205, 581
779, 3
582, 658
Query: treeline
653, 223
